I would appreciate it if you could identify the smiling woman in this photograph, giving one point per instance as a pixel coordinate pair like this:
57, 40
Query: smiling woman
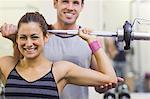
30, 43
30, 36
8, 8
34, 76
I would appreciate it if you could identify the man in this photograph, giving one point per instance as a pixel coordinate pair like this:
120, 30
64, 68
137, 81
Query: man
69, 47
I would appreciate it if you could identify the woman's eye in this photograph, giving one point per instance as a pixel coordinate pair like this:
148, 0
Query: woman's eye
22, 37
35, 37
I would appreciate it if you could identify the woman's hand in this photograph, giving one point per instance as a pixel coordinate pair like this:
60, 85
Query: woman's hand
85, 34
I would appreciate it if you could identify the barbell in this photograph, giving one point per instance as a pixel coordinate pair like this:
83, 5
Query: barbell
124, 35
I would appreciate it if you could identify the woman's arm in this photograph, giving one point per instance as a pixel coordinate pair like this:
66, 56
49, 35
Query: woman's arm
106, 72
87, 77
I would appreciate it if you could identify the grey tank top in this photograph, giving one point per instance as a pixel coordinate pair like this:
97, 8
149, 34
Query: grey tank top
43, 88
73, 49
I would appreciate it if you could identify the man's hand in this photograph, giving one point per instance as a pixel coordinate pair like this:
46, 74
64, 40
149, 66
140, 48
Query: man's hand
8, 30
106, 87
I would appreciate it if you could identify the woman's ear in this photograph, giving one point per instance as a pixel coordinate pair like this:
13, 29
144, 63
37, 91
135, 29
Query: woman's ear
46, 37
16, 39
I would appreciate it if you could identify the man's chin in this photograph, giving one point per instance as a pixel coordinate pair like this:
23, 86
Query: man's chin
69, 22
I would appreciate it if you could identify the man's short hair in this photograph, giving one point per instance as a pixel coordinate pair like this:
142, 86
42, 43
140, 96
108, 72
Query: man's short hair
82, 1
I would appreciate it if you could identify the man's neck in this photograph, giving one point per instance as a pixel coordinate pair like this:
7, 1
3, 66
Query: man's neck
62, 26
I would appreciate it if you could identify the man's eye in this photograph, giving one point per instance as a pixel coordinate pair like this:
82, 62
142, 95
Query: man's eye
65, 1
76, 2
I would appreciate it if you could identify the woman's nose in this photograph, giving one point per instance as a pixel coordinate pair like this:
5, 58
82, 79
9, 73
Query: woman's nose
29, 42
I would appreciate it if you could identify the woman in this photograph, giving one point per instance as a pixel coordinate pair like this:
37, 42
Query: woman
34, 76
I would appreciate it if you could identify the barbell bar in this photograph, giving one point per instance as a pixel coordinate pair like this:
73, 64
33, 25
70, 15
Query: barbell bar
135, 35
125, 34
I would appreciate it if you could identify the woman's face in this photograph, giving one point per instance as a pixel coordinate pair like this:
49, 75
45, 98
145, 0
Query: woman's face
30, 39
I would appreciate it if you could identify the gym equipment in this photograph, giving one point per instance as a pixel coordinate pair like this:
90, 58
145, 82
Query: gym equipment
125, 35
120, 92
123, 92
110, 94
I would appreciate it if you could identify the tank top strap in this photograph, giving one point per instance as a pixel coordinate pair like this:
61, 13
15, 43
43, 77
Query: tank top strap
17, 63
15, 66
52, 67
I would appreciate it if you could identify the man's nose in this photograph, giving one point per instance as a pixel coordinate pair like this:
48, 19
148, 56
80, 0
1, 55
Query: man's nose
70, 6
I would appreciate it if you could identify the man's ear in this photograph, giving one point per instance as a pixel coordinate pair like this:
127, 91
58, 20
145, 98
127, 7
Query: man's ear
82, 5
55, 3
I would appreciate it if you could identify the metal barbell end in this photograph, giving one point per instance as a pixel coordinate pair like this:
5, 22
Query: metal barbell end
140, 36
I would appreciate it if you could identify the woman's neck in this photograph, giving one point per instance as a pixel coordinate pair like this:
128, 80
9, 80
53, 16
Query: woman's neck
32, 63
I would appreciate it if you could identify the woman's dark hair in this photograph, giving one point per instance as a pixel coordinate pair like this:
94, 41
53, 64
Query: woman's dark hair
34, 17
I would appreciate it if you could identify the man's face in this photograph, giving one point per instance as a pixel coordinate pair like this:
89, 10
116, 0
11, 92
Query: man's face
68, 10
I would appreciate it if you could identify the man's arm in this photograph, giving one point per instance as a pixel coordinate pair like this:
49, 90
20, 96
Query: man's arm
9, 31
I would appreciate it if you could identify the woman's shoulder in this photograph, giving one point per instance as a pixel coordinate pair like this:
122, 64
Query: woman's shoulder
63, 63
7, 63
63, 66
7, 60
61, 69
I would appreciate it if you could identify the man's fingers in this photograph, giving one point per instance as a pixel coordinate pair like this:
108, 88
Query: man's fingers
114, 85
106, 87
12, 28
110, 85
102, 87
120, 80
8, 29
